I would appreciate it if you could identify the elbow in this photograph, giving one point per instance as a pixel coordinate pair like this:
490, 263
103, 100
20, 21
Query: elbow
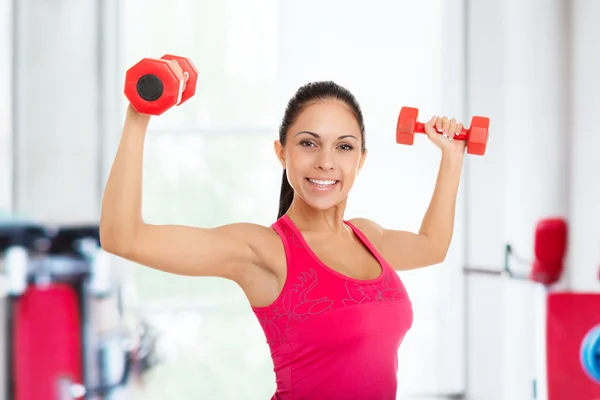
441, 256
442, 252
109, 241
437, 249
115, 239
438, 252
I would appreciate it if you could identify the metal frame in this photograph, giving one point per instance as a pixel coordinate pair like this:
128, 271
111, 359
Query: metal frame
506, 271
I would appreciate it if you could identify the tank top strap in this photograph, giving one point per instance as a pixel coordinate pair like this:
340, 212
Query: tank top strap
295, 251
365, 241
299, 254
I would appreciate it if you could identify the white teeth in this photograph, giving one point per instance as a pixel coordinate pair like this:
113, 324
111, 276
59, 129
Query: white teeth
322, 183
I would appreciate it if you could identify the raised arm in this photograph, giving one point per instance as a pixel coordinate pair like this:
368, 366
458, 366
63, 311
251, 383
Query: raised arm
407, 250
183, 250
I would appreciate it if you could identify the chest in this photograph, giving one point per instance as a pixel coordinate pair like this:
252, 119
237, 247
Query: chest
374, 324
349, 257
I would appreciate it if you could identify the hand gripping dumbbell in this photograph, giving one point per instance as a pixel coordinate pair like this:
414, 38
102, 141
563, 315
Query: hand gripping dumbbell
154, 85
476, 136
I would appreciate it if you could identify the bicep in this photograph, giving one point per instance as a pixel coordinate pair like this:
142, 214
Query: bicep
191, 251
403, 250
406, 250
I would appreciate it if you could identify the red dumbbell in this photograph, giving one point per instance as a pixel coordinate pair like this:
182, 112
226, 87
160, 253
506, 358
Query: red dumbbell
153, 85
476, 136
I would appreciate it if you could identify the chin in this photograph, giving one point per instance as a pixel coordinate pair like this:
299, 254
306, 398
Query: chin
322, 197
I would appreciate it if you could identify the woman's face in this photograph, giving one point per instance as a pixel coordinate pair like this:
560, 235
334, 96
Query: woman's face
322, 153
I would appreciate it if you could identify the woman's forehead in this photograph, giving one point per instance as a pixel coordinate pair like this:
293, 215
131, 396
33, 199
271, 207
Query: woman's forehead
327, 117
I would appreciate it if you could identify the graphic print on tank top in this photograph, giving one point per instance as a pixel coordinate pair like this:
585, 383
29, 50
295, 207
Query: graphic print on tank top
323, 321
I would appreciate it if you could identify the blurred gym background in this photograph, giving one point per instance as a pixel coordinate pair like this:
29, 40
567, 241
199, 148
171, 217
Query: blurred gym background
531, 66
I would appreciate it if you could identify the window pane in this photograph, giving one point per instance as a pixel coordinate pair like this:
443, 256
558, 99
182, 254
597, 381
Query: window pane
212, 342
233, 43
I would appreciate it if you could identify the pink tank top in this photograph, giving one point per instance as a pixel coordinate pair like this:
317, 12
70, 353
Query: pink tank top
331, 336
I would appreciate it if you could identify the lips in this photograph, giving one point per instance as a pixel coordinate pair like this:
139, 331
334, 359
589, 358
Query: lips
323, 184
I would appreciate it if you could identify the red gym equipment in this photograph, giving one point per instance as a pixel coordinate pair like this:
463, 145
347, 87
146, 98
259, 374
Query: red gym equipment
476, 136
47, 340
573, 346
154, 85
52, 276
572, 319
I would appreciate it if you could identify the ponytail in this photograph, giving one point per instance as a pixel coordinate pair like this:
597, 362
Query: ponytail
286, 196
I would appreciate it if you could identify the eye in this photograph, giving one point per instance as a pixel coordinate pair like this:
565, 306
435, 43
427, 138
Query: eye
307, 143
346, 147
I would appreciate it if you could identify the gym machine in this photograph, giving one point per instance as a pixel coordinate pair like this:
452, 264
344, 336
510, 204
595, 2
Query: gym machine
572, 325
51, 276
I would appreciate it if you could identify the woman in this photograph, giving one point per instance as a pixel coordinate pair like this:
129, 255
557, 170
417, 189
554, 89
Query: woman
324, 289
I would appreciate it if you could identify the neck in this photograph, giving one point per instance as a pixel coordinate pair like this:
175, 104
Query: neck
308, 218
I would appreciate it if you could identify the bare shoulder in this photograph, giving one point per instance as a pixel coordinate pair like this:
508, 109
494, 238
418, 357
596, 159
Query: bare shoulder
404, 250
245, 231
262, 239
371, 229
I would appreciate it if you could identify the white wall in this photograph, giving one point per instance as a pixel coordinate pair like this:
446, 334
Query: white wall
57, 111
583, 137
532, 69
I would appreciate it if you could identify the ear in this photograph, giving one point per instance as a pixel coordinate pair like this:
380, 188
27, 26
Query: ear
279, 152
363, 156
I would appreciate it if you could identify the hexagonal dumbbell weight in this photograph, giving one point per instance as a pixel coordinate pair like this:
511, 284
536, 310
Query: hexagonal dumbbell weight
154, 85
476, 135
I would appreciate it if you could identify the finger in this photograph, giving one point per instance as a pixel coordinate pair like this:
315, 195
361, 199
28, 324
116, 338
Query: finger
439, 125
451, 128
459, 128
445, 126
177, 68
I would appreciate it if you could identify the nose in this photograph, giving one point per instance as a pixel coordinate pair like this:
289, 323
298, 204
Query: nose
325, 161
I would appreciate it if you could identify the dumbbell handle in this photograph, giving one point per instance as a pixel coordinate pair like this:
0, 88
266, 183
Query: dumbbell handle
462, 135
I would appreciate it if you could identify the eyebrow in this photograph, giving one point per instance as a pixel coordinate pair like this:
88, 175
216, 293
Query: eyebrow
318, 137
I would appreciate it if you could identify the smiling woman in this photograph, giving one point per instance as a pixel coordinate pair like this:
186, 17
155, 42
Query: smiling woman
321, 107
211, 163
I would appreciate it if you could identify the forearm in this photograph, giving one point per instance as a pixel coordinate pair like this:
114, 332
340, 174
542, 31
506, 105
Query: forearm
122, 200
438, 222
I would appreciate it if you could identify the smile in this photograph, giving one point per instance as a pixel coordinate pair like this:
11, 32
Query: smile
322, 183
